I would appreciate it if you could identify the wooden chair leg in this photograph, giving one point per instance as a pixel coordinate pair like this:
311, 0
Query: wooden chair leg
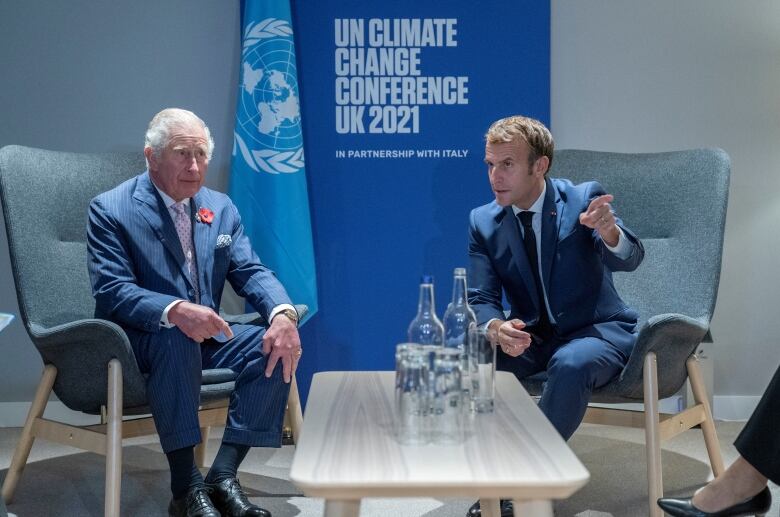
655, 486
708, 426
27, 438
200, 449
114, 439
294, 412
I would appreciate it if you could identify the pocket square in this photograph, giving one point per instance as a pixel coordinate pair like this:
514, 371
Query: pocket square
223, 241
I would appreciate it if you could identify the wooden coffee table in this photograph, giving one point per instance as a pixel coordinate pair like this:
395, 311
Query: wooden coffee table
347, 451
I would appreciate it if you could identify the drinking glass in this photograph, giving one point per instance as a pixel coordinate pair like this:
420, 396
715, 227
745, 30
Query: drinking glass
411, 394
482, 374
447, 418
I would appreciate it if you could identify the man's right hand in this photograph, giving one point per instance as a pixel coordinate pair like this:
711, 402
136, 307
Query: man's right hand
197, 321
510, 336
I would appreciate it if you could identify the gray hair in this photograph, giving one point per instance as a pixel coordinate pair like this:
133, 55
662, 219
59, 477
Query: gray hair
158, 134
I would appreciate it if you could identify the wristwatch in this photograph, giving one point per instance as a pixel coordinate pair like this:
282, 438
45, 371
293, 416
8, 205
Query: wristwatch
290, 313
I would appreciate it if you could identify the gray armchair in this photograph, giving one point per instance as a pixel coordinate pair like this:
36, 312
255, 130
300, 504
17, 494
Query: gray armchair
88, 362
676, 203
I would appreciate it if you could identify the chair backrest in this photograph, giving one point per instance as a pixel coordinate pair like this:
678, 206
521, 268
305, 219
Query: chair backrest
45, 195
676, 203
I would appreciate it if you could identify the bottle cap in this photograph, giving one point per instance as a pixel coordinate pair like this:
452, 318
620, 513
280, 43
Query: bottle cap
460, 271
426, 279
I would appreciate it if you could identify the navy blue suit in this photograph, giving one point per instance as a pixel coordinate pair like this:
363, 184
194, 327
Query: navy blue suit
137, 268
594, 330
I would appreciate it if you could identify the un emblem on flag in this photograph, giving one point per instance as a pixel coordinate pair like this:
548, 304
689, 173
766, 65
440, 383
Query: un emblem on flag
268, 119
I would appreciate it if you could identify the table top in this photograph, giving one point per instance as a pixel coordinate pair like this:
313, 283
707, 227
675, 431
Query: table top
347, 448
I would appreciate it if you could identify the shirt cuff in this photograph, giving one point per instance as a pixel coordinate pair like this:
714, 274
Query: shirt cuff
622, 249
487, 325
164, 319
279, 308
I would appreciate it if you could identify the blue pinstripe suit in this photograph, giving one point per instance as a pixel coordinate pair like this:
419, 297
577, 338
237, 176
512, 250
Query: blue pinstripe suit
137, 268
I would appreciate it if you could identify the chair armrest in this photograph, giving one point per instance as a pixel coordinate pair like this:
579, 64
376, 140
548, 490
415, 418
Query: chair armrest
81, 350
673, 338
254, 318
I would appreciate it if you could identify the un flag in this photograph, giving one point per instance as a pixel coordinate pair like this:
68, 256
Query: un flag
268, 176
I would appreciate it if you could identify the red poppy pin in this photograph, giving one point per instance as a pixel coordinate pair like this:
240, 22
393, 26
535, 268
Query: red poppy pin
204, 215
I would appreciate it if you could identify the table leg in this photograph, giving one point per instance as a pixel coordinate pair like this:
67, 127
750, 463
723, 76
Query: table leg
536, 508
342, 508
490, 507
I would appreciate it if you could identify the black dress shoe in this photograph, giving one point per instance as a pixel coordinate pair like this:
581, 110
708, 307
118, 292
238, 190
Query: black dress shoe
231, 500
507, 509
757, 505
195, 503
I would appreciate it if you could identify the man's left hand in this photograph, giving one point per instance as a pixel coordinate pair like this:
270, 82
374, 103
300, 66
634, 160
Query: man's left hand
281, 341
599, 217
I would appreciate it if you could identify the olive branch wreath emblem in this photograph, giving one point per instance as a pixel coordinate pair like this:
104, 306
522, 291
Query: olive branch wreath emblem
268, 160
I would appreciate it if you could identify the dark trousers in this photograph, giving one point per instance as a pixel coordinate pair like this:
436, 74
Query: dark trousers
174, 365
574, 369
759, 441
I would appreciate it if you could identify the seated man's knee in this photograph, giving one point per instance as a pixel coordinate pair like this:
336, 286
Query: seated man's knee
572, 364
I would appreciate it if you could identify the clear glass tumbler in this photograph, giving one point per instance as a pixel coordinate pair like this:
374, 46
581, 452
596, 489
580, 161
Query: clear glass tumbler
447, 423
482, 374
411, 394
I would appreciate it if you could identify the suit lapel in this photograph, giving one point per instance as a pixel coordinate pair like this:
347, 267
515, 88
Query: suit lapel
509, 228
552, 212
151, 207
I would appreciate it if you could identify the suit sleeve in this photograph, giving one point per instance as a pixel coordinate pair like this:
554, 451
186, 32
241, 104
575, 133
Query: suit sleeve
610, 260
114, 285
485, 286
249, 277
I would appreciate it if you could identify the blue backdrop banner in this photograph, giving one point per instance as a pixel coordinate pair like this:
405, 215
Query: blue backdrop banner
397, 97
268, 178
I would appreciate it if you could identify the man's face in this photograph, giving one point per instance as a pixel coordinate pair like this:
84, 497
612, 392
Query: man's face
513, 180
180, 169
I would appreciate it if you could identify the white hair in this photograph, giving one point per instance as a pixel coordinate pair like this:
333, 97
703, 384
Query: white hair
158, 135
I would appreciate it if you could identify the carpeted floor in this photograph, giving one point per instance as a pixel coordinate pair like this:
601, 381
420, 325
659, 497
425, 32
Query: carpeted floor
66, 482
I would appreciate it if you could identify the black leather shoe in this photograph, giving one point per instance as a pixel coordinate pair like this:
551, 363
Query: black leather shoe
195, 503
231, 500
757, 505
507, 509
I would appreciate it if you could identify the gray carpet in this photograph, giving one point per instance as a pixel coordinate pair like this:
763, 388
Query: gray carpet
63, 481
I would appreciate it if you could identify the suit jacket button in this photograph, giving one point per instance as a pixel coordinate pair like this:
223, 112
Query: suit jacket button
191, 293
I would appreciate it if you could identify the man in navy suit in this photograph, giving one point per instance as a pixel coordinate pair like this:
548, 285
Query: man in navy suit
161, 247
550, 247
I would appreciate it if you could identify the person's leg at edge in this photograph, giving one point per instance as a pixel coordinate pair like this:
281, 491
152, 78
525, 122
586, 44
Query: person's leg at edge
739, 482
759, 459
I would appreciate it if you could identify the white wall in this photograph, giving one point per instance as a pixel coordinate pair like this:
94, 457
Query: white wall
639, 76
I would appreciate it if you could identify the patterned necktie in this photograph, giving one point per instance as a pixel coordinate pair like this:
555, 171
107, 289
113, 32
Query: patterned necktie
183, 225
542, 327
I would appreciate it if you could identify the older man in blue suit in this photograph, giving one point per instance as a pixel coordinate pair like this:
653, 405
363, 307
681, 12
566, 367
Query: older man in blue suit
161, 247
550, 247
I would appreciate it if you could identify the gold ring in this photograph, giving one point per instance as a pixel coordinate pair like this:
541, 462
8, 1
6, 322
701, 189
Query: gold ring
299, 352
